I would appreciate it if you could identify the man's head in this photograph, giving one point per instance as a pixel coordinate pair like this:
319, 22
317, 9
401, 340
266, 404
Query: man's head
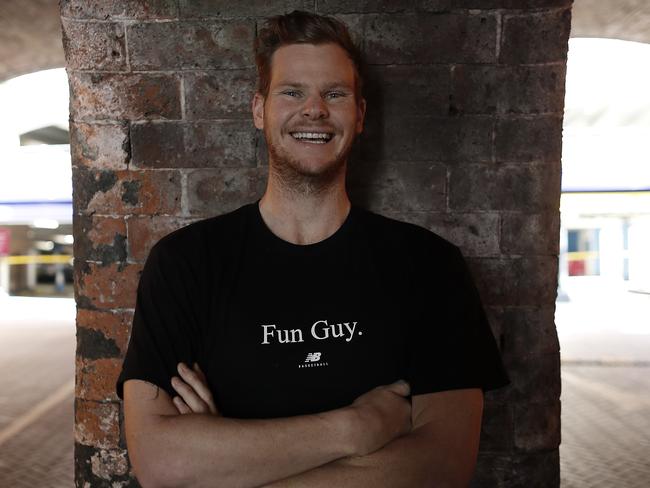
308, 101
300, 27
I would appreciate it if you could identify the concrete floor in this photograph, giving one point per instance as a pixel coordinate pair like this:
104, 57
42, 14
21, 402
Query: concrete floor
605, 407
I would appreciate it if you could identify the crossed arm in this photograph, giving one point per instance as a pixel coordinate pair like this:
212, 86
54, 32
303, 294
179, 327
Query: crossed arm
439, 451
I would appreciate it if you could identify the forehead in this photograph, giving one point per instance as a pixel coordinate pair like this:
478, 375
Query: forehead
315, 63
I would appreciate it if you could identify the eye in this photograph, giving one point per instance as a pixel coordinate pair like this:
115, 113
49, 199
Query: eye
336, 94
291, 93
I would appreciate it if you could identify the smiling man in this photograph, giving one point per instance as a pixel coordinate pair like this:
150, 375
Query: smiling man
300, 312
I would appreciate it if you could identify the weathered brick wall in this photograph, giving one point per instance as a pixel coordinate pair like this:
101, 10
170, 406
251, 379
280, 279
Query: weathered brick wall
463, 136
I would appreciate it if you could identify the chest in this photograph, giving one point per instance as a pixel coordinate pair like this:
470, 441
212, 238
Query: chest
296, 338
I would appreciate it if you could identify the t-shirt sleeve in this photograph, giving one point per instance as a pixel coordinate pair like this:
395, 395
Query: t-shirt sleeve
164, 328
451, 344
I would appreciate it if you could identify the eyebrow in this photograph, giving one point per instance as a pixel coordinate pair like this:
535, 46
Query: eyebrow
329, 86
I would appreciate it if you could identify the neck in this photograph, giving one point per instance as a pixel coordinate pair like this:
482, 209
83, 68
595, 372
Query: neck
304, 217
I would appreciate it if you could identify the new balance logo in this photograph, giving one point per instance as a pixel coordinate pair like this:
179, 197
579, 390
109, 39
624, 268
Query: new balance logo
312, 357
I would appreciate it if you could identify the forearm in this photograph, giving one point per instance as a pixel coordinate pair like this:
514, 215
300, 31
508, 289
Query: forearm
197, 450
407, 461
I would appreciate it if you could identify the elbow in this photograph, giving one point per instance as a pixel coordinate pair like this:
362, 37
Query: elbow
157, 472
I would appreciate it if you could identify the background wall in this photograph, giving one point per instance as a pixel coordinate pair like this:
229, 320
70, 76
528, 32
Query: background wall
463, 136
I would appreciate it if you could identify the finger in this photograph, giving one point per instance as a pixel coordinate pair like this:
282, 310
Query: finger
198, 384
400, 387
211, 404
189, 396
181, 406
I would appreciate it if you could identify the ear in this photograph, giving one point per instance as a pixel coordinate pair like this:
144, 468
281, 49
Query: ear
258, 110
361, 114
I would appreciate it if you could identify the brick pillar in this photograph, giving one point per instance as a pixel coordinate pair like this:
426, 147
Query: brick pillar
463, 136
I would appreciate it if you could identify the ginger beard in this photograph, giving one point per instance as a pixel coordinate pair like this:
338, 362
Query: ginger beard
300, 177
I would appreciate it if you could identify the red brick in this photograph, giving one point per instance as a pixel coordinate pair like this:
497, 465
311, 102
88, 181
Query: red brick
191, 44
144, 232
219, 94
538, 37
115, 96
146, 192
97, 424
94, 45
111, 9
477, 234
99, 238
99, 146
113, 325
106, 287
216, 191
95, 379
414, 38
524, 233
537, 426
392, 187
530, 188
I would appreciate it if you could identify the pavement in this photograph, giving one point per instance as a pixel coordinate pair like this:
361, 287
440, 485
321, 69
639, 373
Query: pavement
605, 391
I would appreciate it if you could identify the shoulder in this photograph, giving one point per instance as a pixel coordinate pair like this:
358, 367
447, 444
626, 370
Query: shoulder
193, 241
405, 236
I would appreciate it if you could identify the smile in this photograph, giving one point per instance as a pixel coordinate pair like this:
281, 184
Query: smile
313, 137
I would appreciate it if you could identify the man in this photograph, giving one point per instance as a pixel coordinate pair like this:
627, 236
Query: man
299, 313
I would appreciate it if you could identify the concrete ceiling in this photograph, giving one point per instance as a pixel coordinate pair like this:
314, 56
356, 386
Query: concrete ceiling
30, 37
30, 30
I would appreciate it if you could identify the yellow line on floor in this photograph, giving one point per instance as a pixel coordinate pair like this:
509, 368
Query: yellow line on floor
17, 425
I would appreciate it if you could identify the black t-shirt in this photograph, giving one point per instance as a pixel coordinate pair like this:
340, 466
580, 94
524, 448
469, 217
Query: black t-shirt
282, 329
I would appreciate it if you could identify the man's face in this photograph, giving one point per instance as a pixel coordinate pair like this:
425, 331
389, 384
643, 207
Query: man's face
310, 117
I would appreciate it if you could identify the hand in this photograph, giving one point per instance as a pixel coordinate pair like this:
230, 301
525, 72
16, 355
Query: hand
384, 414
195, 395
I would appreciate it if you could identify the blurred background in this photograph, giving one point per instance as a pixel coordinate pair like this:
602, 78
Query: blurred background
603, 303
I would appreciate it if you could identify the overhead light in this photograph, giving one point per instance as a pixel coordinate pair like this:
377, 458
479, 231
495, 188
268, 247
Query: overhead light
44, 245
45, 224
63, 239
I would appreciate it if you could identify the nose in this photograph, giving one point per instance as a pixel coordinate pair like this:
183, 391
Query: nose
315, 108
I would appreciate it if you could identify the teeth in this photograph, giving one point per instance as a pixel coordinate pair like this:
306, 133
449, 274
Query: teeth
312, 135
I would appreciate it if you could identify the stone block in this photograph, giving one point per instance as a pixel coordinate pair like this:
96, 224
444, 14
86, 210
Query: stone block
97, 424
430, 38
119, 9
477, 234
390, 187
537, 426
106, 287
497, 429
194, 145
226, 9
95, 379
535, 37
535, 470
526, 280
520, 139
100, 146
533, 187
529, 331
534, 379
440, 139
103, 333
146, 192
217, 191
116, 96
219, 94
93, 45
99, 238
405, 90
145, 231
190, 44
478, 89
525, 233
509, 4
